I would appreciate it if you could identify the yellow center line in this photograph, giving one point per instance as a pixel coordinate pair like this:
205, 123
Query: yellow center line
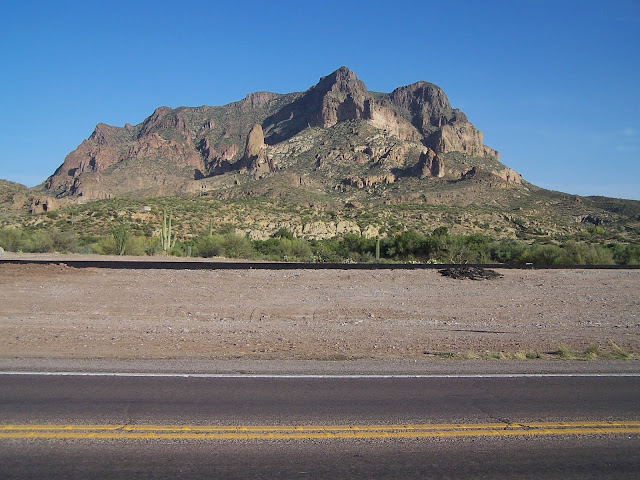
229, 432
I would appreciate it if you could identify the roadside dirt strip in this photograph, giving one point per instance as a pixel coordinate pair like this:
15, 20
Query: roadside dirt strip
55, 311
306, 432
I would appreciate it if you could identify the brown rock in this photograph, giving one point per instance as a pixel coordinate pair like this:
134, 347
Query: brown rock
217, 163
427, 105
396, 156
361, 159
387, 120
430, 164
257, 100
374, 179
509, 175
355, 182
174, 146
255, 159
459, 137
42, 204
255, 142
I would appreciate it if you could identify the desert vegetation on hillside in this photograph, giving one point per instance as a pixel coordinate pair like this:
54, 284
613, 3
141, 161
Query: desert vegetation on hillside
399, 233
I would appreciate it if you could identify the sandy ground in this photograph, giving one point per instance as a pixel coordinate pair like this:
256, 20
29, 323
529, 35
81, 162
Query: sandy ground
57, 311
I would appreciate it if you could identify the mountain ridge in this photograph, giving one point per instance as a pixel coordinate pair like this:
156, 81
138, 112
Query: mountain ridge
411, 132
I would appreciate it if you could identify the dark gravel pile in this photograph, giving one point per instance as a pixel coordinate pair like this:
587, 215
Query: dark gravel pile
470, 273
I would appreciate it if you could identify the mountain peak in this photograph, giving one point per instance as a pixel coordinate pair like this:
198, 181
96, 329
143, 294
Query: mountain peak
406, 133
342, 80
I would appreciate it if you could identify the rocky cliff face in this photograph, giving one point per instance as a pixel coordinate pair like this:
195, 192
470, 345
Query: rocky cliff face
337, 129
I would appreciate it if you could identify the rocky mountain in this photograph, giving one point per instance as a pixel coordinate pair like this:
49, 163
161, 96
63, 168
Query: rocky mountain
335, 138
16, 199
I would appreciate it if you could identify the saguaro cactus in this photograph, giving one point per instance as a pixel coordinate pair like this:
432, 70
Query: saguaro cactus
167, 241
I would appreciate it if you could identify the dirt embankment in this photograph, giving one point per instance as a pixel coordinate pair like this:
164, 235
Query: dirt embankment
58, 311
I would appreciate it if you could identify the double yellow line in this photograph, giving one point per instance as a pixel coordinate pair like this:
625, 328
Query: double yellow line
300, 432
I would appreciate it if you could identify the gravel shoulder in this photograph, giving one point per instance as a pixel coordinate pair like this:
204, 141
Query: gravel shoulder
57, 312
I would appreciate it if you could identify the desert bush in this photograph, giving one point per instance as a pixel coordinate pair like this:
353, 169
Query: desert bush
409, 242
270, 248
104, 246
11, 239
282, 248
625, 254
508, 251
353, 246
544, 255
136, 245
229, 245
209, 246
66, 242
237, 246
583, 254
39, 241
457, 251
121, 234
153, 246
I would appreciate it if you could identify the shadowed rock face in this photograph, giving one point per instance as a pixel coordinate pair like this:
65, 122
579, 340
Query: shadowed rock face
173, 148
337, 97
426, 103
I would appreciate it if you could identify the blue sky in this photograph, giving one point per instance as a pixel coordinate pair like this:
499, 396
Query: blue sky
553, 84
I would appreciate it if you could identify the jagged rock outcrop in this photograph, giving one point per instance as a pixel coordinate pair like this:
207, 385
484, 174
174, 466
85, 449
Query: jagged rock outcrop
255, 159
430, 165
337, 97
395, 156
509, 175
257, 100
427, 105
370, 180
255, 142
458, 137
393, 124
344, 97
368, 138
217, 163
40, 204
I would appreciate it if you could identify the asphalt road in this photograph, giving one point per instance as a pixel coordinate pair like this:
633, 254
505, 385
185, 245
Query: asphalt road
310, 427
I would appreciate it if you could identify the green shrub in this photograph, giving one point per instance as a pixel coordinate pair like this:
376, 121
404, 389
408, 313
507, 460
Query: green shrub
582, 254
40, 241
12, 239
544, 255
625, 254
105, 246
237, 246
152, 245
296, 249
121, 234
209, 246
229, 245
137, 246
508, 251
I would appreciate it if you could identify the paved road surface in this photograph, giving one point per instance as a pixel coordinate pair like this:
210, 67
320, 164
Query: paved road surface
217, 427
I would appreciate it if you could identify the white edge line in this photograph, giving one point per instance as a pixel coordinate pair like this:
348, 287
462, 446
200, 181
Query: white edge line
315, 376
